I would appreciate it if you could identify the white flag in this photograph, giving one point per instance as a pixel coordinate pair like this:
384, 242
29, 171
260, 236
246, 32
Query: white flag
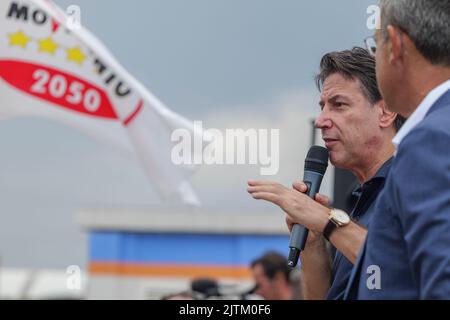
51, 68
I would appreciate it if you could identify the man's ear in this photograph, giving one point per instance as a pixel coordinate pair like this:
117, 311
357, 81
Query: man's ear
386, 117
396, 48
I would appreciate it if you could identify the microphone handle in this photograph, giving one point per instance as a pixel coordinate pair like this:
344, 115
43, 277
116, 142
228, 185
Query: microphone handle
299, 234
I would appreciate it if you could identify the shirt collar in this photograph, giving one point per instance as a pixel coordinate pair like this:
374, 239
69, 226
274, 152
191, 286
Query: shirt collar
421, 111
384, 170
366, 192
380, 176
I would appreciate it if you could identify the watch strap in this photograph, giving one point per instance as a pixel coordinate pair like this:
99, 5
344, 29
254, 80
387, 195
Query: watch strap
329, 228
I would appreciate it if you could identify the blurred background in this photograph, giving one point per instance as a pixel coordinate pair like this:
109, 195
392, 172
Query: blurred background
228, 63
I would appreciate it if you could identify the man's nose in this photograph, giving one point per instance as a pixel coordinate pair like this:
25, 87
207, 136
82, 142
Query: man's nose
323, 121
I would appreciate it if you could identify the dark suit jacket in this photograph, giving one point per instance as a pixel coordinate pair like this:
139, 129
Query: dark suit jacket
408, 242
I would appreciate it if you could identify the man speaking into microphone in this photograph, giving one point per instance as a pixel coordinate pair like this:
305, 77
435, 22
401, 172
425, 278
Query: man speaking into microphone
358, 129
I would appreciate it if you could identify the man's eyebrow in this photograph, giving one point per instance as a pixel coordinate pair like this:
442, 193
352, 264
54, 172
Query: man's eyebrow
333, 99
337, 97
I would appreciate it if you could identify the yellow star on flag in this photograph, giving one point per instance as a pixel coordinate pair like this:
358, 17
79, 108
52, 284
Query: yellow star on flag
76, 55
48, 45
18, 39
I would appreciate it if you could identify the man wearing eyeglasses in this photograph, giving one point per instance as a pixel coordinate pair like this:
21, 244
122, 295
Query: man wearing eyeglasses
407, 251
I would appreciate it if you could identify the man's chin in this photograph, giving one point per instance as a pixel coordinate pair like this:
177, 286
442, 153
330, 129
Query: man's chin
337, 160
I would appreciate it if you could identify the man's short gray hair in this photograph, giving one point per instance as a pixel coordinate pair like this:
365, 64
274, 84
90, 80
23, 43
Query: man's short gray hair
426, 22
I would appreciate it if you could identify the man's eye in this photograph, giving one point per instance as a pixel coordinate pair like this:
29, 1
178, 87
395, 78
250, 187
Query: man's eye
339, 104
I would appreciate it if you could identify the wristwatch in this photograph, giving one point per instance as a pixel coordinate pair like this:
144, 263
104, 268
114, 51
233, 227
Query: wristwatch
337, 219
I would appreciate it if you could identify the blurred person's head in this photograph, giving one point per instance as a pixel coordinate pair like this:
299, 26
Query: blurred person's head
206, 287
413, 50
272, 277
356, 124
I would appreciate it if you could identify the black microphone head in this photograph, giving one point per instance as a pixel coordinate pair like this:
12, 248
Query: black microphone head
317, 159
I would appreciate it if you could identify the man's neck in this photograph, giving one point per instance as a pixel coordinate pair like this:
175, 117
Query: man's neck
420, 82
368, 171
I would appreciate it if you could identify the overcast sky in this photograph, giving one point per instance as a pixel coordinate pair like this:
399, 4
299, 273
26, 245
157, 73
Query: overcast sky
230, 63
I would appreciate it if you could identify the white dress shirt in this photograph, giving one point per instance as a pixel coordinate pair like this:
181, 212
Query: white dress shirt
421, 112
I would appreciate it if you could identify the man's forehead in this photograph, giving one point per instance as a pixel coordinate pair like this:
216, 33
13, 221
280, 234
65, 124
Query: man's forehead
337, 84
258, 271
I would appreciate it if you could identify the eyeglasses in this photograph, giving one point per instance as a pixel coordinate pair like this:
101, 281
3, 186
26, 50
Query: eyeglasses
371, 45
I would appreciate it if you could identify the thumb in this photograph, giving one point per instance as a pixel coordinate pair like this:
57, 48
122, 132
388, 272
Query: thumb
323, 200
289, 223
300, 186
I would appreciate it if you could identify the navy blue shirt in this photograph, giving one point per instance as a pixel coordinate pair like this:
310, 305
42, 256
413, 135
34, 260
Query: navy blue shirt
362, 212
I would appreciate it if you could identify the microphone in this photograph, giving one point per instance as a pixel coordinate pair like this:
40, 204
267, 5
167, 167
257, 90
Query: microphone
316, 164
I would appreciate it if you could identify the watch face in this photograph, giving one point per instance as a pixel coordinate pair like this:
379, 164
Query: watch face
341, 216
